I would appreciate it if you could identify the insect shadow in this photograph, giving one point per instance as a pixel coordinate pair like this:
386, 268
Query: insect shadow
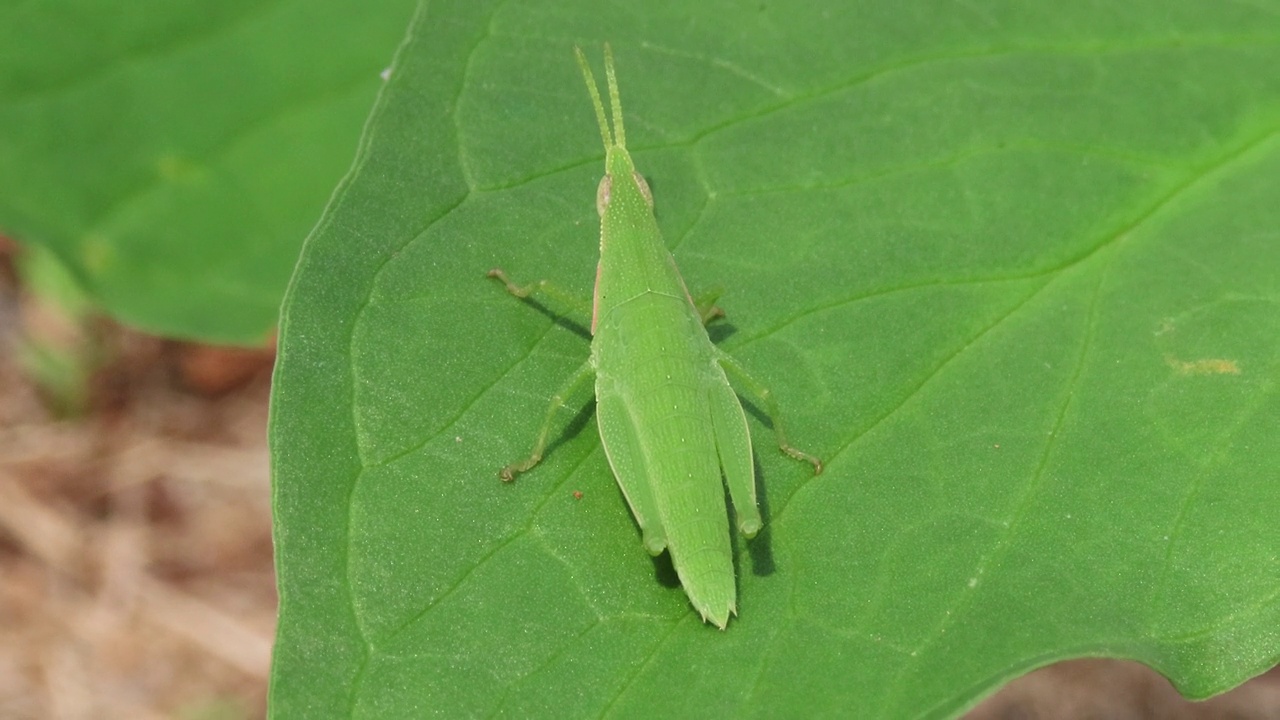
720, 330
559, 318
760, 547
664, 572
575, 426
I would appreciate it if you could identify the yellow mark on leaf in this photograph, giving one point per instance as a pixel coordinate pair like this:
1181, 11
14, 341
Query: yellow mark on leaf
1207, 366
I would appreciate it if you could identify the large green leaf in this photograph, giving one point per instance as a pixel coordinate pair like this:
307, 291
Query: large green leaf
174, 153
1011, 268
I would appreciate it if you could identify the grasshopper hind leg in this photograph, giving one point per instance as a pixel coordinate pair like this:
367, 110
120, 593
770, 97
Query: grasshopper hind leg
733, 444
627, 460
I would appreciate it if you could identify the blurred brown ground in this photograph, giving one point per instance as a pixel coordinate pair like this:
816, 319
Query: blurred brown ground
135, 548
135, 539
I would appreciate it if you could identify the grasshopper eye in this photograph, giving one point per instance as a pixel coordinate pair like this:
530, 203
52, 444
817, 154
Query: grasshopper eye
602, 194
644, 188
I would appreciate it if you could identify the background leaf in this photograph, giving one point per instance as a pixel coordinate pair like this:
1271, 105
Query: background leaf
1010, 268
173, 154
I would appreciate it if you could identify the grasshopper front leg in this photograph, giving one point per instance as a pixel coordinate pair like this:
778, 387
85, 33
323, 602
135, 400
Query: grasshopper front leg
526, 292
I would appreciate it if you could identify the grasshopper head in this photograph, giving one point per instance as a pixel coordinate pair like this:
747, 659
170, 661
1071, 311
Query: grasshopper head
621, 181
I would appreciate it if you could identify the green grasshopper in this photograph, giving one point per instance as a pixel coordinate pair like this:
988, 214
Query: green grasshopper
669, 420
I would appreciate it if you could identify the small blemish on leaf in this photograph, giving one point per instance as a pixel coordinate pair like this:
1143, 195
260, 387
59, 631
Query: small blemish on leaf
1207, 366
